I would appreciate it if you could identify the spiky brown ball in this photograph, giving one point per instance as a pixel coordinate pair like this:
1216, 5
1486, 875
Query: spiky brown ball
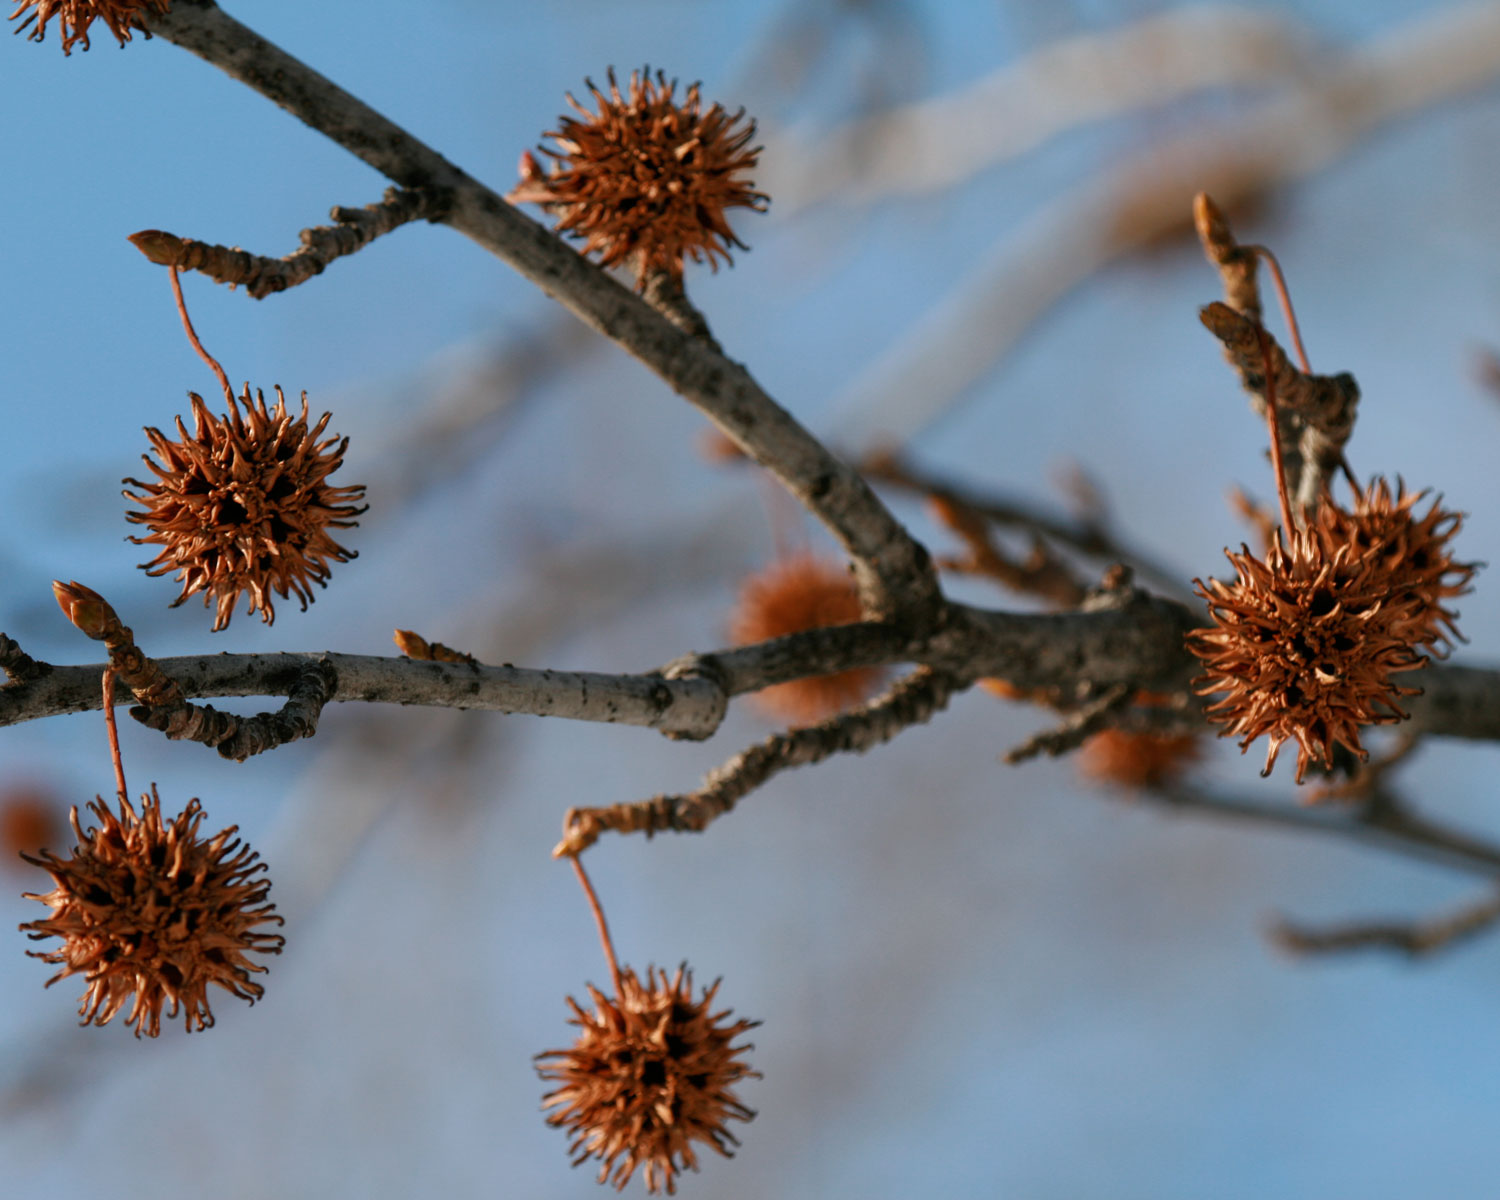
789, 596
1136, 759
1304, 645
650, 1074
647, 179
146, 909
243, 505
1413, 551
75, 17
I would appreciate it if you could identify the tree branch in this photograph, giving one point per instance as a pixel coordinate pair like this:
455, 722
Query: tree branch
1397, 831
911, 701
1412, 938
354, 229
895, 575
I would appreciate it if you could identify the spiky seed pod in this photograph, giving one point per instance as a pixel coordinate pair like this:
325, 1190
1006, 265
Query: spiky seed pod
650, 1074
647, 179
1304, 645
243, 504
1136, 760
145, 908
30, 821
75, 17
789, 596
1412, 551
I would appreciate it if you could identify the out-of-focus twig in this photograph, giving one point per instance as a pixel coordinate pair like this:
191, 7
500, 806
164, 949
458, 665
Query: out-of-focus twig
1091, 537
940, 142
1041, 573
1411, 938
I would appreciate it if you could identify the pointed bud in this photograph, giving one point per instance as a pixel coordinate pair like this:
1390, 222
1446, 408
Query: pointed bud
86, 608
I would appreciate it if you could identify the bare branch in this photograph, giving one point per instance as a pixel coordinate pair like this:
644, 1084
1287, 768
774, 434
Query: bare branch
1088, 537
911, 701
1397, 831
940, 142
354, 229
1414, 939
895, 575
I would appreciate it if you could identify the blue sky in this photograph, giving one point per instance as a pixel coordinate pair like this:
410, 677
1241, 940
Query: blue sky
974, 980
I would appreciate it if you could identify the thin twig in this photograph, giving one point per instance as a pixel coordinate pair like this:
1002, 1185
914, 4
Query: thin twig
1414, 938
1042, 573
1077, 728
354, 229
1237, 264
1088, 537
911, 701
192, 337
1400, 833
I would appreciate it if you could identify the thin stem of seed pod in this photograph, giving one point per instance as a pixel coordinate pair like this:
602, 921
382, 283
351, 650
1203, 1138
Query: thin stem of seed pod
593, 899
192, 336
1284, 297
1276, 467
114, 733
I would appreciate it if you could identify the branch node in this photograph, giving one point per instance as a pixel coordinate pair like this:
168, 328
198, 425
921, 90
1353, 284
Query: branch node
240, 737
19, 666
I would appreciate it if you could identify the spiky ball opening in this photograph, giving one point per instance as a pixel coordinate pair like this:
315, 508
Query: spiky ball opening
146, 909
650, 1074
647, 179
243, 505
1304, 645
75, 17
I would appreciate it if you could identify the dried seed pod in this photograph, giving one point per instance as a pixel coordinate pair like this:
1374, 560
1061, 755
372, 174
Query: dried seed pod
243, 504
1412, 551
1134, 759
647, 179
1304, 645
789, 596
650, 1074
146, 909
75, 17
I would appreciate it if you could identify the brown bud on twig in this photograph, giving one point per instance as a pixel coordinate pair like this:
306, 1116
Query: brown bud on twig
414, 645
